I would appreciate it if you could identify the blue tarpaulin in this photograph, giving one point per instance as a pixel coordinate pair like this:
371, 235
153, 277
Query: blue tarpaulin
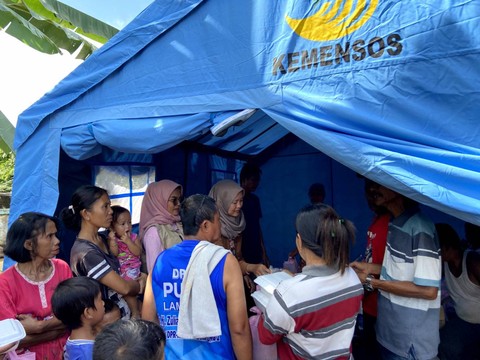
390, 89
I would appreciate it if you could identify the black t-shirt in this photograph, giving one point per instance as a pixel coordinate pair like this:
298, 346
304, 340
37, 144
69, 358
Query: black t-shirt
251, 242
87, 259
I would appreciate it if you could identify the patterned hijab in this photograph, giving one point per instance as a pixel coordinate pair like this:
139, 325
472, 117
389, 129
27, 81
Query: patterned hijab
154, 205
224, 192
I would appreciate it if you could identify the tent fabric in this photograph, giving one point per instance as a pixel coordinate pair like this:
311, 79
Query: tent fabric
251, 138
150, 135
387, 88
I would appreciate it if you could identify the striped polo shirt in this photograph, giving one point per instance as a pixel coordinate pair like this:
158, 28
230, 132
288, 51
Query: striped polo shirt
412, 254
313, 314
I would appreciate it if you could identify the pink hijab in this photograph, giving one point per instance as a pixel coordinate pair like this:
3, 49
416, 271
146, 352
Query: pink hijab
154, 205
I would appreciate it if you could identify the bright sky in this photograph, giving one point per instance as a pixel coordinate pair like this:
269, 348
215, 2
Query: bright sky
26, 74
117, 13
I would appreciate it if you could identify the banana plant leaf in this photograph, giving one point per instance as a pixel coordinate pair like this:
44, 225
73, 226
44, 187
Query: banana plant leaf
15, 25
93, 28
49, 31
7, 132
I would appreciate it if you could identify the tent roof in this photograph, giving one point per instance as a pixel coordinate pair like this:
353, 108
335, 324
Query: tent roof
249, 138
389, 90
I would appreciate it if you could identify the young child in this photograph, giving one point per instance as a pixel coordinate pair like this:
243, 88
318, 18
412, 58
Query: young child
77, 303
130, 339
124, 246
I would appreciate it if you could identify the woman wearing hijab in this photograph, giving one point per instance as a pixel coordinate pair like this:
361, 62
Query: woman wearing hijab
160, 226
228, 196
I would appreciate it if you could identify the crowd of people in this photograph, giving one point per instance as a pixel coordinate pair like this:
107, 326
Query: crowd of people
182, 288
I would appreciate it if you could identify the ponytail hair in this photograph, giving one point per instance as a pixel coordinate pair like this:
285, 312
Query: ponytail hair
82, 198
326, 234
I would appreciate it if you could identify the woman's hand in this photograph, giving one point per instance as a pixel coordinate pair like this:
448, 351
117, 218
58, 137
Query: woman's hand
111, 236
257, 269
142, 280
30, 324
112, 243
249, 283
40, 331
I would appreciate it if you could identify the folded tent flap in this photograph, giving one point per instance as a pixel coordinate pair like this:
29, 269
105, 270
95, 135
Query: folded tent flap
237, 118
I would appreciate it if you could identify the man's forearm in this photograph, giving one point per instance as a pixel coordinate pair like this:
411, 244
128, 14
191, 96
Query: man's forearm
406, 288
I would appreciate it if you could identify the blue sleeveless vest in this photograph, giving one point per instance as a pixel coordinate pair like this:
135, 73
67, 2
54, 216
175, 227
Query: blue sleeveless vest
167, 276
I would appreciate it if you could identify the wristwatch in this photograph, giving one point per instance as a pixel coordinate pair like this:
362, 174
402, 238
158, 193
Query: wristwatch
367, 285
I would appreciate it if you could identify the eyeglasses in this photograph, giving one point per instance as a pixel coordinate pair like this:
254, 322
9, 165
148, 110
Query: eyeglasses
176, 200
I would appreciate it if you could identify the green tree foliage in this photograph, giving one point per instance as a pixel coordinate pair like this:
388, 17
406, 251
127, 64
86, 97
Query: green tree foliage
7, 161
7, 132
48, 26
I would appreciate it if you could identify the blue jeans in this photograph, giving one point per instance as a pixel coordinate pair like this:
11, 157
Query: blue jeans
386, 354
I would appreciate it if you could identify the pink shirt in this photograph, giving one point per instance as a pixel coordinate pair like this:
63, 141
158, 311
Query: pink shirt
129, 262
20, 295
153, 246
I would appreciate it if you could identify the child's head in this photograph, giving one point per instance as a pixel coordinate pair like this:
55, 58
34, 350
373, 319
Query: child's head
112, 314
130, 340
325, 234
121, 221
78, 301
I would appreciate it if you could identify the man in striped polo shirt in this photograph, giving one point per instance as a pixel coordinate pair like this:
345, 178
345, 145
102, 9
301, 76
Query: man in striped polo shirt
408, 281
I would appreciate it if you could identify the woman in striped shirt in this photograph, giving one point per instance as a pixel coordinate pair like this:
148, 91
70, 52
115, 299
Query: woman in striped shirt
313, 314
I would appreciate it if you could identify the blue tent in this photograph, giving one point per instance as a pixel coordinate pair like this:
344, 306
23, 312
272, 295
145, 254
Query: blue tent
390, 89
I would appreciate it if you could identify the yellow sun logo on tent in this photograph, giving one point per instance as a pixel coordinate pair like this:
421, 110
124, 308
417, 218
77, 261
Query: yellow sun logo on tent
334, 21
